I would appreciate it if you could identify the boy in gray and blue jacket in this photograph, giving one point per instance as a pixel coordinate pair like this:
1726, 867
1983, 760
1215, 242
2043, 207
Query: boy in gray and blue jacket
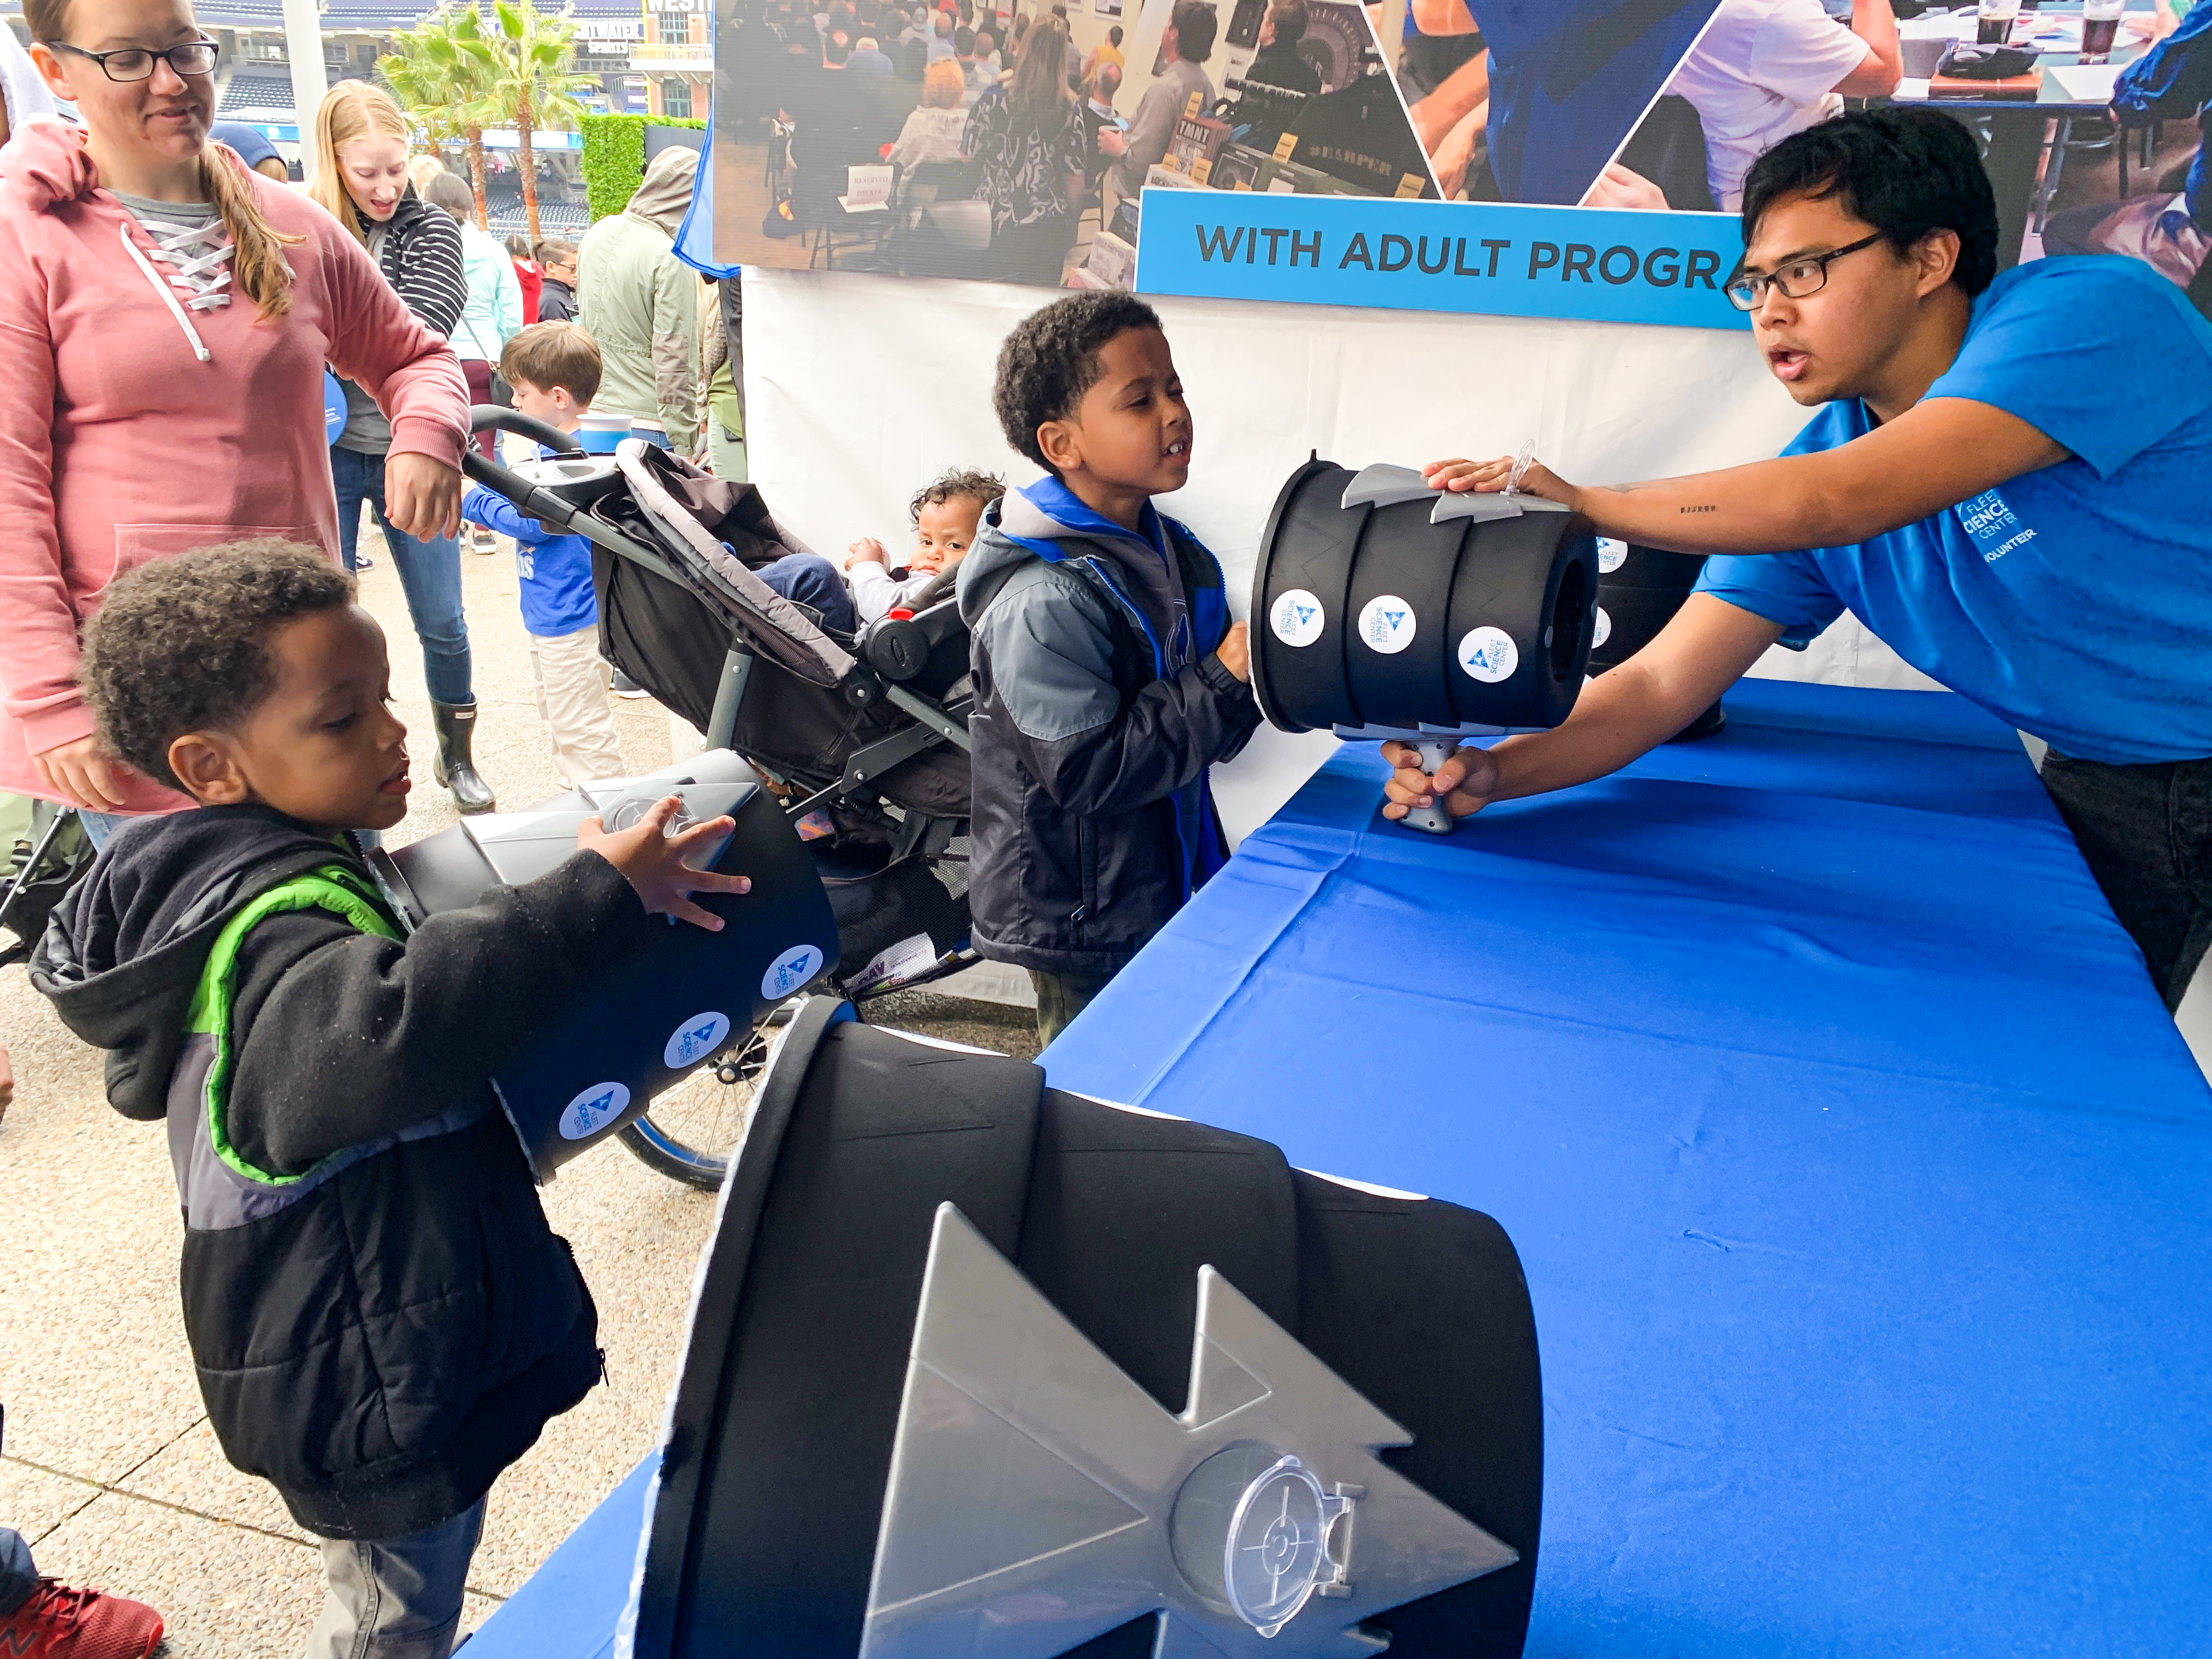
1109, 675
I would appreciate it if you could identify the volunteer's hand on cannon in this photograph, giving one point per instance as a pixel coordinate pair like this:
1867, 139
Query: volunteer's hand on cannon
652, 861
1489, 477
1465, 782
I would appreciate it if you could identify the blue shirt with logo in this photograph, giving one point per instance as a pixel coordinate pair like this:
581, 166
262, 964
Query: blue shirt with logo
556, 570
2075, 601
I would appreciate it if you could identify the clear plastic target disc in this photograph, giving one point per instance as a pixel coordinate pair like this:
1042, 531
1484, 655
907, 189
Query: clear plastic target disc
1277, 1551
630, 812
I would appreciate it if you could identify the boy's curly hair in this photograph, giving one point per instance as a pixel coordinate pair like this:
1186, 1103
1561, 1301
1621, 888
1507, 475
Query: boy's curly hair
182, 644
1051, 359
959, 484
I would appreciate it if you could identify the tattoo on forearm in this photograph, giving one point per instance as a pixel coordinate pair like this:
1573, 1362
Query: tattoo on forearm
1707, 507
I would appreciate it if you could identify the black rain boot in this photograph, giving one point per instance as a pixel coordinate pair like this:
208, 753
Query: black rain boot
455, 768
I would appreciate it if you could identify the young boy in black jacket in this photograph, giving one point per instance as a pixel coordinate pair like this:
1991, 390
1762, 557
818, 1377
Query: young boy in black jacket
380, 1316
1109, 676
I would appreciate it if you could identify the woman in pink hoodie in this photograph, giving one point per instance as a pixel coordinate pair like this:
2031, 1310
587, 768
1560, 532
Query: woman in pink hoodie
164, 324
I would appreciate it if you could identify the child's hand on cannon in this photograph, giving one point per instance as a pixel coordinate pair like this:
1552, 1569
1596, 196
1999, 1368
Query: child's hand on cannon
653, 862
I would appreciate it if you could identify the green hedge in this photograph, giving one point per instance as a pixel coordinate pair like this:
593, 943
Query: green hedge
614, 157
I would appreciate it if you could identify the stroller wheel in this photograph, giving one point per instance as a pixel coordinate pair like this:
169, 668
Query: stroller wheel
690, 1133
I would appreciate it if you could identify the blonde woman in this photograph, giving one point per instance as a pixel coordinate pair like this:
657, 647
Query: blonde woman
933, 129
362, 177
164, 323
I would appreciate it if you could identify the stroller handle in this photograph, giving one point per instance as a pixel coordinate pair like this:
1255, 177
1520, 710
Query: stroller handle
528, 498
490, 417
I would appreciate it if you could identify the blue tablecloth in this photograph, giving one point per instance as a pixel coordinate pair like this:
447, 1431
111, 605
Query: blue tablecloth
1861, 1183
1860, 1179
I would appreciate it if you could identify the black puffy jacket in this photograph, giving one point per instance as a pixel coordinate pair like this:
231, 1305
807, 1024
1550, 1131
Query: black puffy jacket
380, 1318
1099, 706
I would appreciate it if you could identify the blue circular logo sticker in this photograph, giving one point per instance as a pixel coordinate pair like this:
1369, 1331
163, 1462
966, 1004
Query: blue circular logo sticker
1387, 624
1297, 618
1488, 654
696, 1039
790, 972
593, 1110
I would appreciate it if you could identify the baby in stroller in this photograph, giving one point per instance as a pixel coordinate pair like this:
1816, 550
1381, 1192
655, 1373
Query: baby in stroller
945, 511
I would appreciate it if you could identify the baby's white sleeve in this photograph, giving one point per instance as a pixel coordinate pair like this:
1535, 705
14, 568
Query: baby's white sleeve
874, 592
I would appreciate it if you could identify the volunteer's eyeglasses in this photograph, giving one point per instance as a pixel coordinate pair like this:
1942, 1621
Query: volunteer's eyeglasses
1746, 291
136, 64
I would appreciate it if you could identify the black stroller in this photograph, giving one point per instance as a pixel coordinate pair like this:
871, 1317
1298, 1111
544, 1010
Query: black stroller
864, 737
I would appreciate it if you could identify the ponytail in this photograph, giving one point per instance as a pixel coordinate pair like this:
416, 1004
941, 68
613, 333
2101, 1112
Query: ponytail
258, 269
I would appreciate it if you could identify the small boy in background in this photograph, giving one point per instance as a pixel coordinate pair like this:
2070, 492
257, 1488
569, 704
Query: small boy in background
554, 369
1109, 676
380, 1318
945, 511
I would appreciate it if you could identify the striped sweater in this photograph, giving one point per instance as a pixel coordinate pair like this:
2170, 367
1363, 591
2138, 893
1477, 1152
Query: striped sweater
422, 258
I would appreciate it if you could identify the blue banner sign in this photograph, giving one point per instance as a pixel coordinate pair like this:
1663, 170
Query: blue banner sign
1594, 264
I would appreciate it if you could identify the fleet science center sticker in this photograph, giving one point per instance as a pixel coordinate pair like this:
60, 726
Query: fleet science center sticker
1297, 618
790, 971
593, 1110
696, 1039
1387, 624
1488, 654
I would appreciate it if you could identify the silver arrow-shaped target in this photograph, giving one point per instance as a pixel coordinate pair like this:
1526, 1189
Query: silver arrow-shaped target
1039, 1498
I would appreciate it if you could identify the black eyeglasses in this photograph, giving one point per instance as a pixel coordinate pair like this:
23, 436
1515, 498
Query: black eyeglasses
136, 64
1746, 291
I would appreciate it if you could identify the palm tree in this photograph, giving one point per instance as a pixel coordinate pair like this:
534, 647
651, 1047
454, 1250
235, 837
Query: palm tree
444, 70
535, 88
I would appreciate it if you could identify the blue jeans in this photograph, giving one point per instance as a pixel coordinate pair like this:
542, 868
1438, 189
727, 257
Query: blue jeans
430, 574
99, 826
808, 579
18, 1577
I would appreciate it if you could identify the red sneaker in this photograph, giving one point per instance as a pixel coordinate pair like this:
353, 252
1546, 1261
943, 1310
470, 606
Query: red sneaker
60, 1622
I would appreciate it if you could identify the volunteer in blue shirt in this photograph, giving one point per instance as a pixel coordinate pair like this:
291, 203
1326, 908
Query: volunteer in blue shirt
2006, 481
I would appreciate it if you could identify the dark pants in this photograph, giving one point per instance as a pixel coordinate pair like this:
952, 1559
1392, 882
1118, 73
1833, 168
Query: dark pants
1061, 997
18, 1575
479, 373
2145, 832
808, 579
1035, 252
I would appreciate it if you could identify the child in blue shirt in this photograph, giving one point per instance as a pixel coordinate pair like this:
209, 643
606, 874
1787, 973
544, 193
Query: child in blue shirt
554, 369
